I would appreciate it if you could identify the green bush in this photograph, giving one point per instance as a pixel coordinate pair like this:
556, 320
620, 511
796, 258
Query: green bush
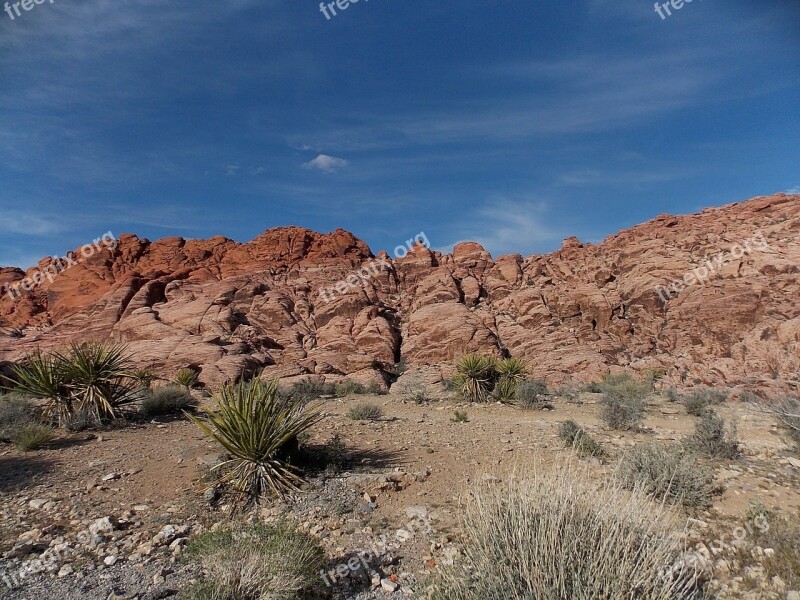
257, 562
32, 436
460, 416
92, 378
621, 412
15, 412
347, 387
255, 425
376, 389
667, 473
673, 395
713, 439
365, 411
557, 536
624, 386
308, 390
575, 437
167, 400
533, 395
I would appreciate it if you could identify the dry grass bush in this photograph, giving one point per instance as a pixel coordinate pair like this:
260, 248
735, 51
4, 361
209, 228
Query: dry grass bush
667, 473
167, 400
713, 439
414, 391
783, 536
257, 562
20, 423
787, 412
576, 438
533, 395
622, 406
347, 387
698, 401
365, 411
556, 536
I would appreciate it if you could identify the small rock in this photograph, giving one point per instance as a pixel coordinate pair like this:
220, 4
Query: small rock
111, 477
388, 585
110, 561
65, 570
100, 526
38, 503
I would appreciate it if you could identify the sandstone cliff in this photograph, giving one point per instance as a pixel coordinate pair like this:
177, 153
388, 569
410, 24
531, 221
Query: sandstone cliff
230, 308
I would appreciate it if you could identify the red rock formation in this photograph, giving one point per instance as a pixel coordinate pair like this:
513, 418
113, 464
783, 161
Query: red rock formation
232, 308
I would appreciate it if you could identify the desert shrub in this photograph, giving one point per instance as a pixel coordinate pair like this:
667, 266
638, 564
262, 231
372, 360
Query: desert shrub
787, 413
414, 391
167, 400
781, 533
365, 411
347, 387
698, 401
575, 437
254, 425
593, 387
460, 416
624, 386
91, 377
569, 392
713, 439
15, 412
188, 378
667, 473
476, 376
621, 412
307, 390
32, 436
557, 536
696, 404
257, 562
532, 395
376, 389
673, 395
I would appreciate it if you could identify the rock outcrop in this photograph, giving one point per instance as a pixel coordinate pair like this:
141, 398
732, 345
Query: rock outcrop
296, 303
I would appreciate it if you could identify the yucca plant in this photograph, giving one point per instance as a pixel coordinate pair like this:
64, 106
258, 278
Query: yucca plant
98, 378
144, 377
41, 376
188, 378
511, 373
90, 377
253, 425
512, 368
476, 376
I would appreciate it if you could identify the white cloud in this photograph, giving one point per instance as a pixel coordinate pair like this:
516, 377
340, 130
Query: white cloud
794, 190
325, 163
28, 223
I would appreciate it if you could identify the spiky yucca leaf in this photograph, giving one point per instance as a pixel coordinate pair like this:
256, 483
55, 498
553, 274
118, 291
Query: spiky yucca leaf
512, 368
253, 423
187, 378
98, 378
505, 390
40, 376
476, 375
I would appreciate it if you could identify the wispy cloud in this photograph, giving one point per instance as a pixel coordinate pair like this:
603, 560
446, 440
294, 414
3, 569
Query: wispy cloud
29, 223
326, 163
794, 190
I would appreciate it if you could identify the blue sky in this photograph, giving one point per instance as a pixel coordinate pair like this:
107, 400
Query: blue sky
514, 123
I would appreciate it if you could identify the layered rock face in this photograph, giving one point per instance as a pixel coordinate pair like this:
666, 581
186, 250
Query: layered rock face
296, 303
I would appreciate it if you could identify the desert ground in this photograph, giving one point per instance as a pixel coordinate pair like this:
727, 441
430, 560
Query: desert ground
107, 513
